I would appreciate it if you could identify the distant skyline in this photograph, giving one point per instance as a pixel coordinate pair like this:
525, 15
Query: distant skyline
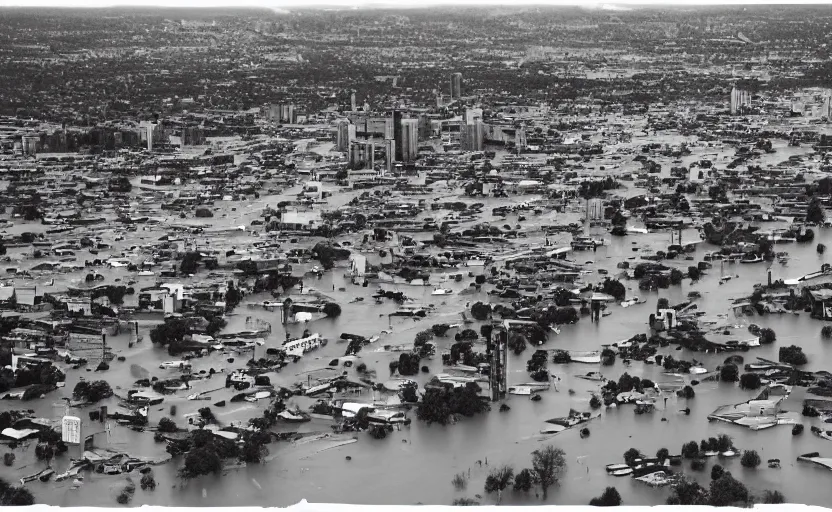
401, 4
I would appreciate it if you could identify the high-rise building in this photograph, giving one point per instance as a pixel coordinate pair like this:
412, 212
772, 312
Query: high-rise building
193, 136
456, 86
409, 139
740, 100
352, 102
471, 135
389, 132
471, 114
397, 134
362, 155
424, 127
344, 136
826, 107
30, 144
389, 154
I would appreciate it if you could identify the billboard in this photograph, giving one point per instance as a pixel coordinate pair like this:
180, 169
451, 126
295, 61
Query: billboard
71, 430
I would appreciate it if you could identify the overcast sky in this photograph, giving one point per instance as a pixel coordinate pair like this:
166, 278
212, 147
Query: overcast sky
277, 4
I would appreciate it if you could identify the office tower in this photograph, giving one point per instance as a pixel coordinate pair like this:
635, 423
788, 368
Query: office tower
471, 114
409, 139
826, 108
273, 113
193, 136
471, 136
456, 86
352, 102
424, 127
147, 129
362, 155
740, 100
389, 154
479, 134
397, 133
389, 132
30, 144
345, 135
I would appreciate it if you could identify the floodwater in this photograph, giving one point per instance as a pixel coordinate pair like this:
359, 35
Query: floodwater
416, 464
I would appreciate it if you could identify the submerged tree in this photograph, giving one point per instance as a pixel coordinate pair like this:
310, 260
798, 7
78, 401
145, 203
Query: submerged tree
549, 463
609, 498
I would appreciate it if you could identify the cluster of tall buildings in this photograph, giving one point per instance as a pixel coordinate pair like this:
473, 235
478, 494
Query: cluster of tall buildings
740, 101
400, 140
193, 136
281, 113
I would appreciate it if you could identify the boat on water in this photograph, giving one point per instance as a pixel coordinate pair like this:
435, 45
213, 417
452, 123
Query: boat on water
593, 376
293, 416
617, 467
589, 357
631, 302
753, 258
622, 472
442, 291
528, 389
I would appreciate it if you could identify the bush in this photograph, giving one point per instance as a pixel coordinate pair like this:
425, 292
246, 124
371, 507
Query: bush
190, 262
792, 355
480, 311
201, 461
440, 330
595, 402
662, 454
767, 336
797, 429
92, 391
609, 498
686, 392
773, 498
460, 481
8, 459
750, 381
148, 482
166, 425
717, 471
631, 455
750, 459
607, 357
690, 450
332, 310
729, 373
724, 443
697, 464
203, 213
726, 491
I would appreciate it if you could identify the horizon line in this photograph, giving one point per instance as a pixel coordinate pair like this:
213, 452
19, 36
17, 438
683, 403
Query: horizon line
619, 5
